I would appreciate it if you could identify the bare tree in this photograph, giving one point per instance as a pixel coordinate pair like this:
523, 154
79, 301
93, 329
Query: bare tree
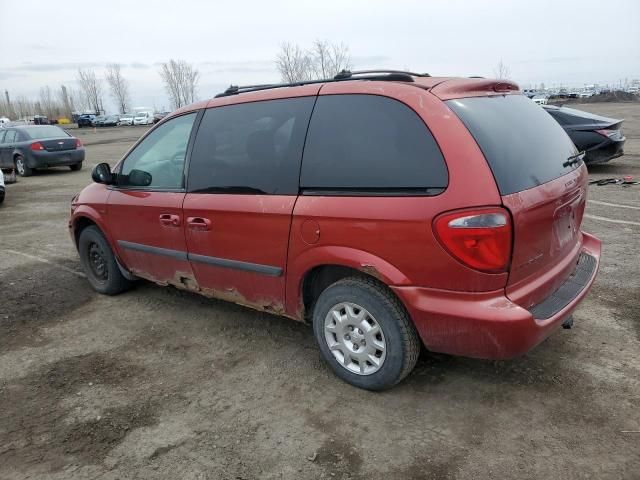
293, 63
329, 59
322, 60
501, 71
119, 86
48, 104
91, 88
180, 80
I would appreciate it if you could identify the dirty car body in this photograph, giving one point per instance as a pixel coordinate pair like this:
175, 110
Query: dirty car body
400, 187
601, 138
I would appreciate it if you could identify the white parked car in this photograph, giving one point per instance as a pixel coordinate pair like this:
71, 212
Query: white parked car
585, 94
143, 118
540, 99
126, 119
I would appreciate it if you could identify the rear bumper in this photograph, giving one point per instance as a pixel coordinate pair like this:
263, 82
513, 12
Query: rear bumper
604, 153
488, 324
44, 159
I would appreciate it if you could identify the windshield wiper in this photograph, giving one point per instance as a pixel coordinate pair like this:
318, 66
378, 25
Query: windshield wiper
574, 159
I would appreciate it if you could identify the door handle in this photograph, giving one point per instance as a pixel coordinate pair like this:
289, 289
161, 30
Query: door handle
169, 220
199, 223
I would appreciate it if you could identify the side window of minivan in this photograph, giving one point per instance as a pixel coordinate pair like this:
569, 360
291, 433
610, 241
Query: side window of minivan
250, 148
370, 143
157, 162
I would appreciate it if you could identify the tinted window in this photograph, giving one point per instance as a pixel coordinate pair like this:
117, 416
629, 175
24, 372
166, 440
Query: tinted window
49, 131
2, 133
161, 155
524, 145
251, 147
369, 142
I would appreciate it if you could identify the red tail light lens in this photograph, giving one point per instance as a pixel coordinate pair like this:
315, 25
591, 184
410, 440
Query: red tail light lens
605, 133
480, 239
37, 146
78, 143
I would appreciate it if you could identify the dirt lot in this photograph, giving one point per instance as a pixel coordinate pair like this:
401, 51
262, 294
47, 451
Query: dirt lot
158, 383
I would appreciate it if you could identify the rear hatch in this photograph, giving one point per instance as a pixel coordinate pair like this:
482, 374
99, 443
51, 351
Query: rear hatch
542, 183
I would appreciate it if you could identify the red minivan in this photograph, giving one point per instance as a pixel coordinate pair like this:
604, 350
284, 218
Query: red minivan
385, 208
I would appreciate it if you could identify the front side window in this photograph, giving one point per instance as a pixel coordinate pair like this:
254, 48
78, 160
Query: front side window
370, 143
157, 161
250, 148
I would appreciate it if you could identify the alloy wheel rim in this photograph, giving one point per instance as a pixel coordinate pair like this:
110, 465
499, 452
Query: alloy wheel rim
20, 166
98, 263
355, 338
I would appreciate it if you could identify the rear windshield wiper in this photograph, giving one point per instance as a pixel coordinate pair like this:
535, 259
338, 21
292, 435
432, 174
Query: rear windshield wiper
574, 159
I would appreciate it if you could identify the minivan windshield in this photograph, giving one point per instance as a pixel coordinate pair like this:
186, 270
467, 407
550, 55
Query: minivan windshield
524, 146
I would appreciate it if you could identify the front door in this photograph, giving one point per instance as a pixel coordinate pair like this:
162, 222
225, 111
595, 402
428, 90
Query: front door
242, 187
145, 207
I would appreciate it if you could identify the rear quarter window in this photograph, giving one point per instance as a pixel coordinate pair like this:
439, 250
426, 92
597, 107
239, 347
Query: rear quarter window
524, 146
370, 143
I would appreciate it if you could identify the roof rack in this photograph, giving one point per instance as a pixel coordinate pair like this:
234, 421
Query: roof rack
382, 75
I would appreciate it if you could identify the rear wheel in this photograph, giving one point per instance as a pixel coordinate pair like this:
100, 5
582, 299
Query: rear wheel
100, 263
365, 333
21, 167
76, 167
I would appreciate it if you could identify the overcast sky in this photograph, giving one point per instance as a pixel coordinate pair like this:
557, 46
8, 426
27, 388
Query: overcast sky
568, 42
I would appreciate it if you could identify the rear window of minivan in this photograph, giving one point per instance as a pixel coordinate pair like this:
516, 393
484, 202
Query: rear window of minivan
524, 146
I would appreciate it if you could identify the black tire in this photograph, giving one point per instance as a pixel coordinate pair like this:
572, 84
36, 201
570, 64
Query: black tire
102, 271
76, 167
400, 336
21, 167
1, 196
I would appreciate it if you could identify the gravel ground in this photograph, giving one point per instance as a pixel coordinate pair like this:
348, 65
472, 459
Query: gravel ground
158, 383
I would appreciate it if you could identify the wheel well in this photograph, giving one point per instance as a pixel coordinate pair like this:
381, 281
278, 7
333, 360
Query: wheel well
16, 155
319, 278
80, 225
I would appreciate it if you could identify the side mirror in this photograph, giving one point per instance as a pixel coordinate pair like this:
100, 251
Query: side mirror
139, 178
101, 173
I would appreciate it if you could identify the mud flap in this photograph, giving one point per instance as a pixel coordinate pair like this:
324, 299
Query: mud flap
568, 322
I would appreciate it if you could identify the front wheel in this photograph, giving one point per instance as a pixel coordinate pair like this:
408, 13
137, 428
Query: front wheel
99, 263
76, 166
365, 333
22, 168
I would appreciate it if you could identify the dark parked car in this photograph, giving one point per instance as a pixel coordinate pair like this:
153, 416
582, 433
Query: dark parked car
159, 116
86, 120
384, 208
39, 146
111, 121
599, 137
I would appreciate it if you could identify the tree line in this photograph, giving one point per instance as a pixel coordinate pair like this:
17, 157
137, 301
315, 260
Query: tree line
180, 79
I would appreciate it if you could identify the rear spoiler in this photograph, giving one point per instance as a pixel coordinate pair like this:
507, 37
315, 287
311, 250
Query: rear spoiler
474, 87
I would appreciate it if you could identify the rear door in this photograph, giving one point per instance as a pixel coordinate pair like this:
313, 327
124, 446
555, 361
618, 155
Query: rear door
542, 183
145, 208
242, 187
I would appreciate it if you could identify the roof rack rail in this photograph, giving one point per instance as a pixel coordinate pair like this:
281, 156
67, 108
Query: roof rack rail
383, 75
344, 74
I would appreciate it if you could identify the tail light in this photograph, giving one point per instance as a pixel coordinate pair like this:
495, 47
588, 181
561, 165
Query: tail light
480, 239
36, 146
606, 133
78, 143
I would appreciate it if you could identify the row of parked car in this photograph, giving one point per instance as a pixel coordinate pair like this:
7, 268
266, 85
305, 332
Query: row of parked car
140, 118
